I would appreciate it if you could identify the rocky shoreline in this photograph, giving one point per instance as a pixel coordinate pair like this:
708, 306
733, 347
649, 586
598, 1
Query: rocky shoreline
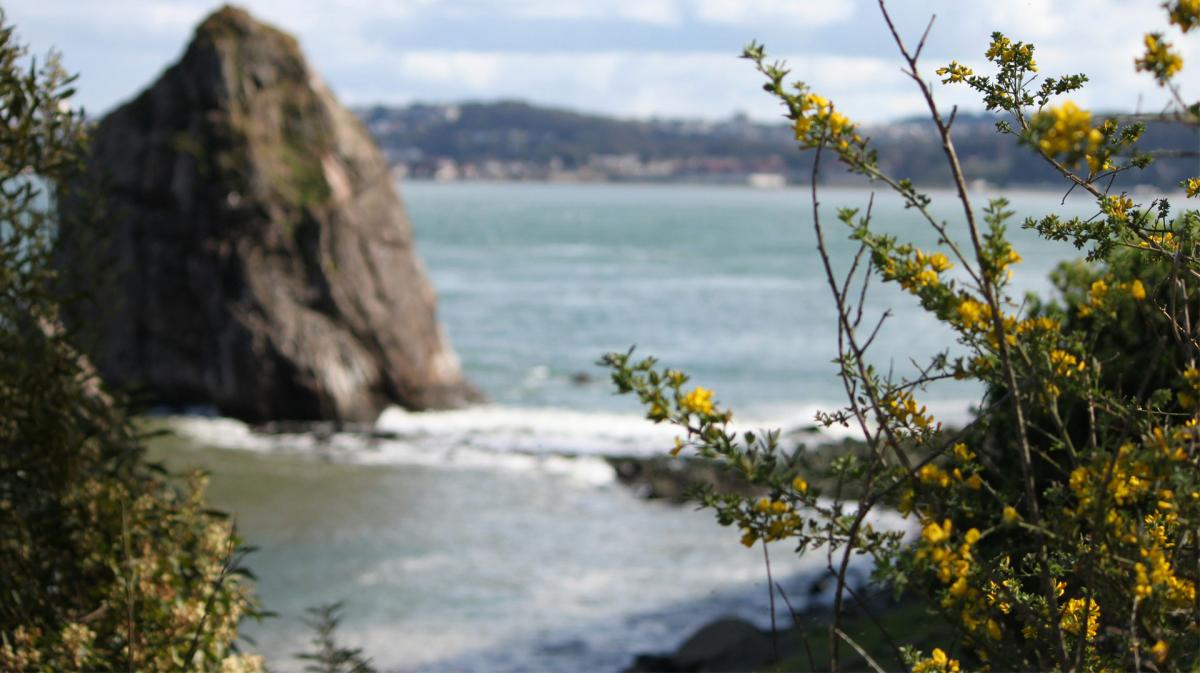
879, 628
672, 479
726, 644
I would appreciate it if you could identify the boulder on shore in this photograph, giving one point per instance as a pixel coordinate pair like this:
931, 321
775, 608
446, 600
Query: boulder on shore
263, 262
725, 645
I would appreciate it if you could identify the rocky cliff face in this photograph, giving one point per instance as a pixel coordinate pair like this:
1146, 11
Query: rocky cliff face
264, 261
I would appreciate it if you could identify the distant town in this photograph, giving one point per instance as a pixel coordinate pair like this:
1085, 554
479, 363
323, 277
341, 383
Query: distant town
516, 141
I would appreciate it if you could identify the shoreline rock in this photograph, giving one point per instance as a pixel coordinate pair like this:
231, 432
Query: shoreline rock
663, 477
263, 262
672, 479
730, 644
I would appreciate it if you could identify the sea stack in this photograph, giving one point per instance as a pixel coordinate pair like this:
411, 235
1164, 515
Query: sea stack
263, 261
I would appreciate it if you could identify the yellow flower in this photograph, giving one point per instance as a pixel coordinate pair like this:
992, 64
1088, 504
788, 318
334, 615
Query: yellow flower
1072, 617
1117, 206
1065, 364
817, 122
698, 401
802, 127
932, 474
1002, 50
1165, 241
1010, 514
1141, 584
939, 262
800, 485
927, 277
1137, 290
1192, 186
1159, 650
763, 505
1185, 14
1069, 133
1078, 480
999, 46
817, 102
1159, 60
954, 73
934, 533
973, 314
937, 662
974, 482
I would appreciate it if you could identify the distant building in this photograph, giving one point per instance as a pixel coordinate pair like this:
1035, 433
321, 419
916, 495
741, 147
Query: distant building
766, 180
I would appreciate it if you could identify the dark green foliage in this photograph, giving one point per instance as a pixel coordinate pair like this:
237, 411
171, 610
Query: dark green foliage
106, 563
327, 656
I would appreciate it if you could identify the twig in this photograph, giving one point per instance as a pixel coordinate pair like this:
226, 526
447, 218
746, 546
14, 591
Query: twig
858, 648
771, 595
862, 604
129, 634
812, 665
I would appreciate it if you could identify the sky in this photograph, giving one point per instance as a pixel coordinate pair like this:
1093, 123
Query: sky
628, 58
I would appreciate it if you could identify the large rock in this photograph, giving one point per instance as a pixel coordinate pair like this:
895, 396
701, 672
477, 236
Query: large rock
264, 261
725, 645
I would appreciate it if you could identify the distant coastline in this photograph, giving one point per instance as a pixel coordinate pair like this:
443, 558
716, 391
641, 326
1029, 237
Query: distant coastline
512, 141
1172, 192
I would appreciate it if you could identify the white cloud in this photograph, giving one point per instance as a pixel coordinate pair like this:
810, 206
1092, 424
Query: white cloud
644, 84
120, 45
805, 14
660, 12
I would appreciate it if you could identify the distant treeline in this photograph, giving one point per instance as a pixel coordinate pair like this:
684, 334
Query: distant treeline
515, 140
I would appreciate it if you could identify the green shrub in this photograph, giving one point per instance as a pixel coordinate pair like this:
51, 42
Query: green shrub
1059, 528
106, 562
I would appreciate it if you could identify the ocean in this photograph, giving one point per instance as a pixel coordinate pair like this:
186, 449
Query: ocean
496, 538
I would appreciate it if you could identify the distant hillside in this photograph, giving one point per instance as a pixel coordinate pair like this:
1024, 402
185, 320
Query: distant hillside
517, 141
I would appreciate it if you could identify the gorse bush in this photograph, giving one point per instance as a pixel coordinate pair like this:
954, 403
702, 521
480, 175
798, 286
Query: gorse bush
106, 562
1058, 529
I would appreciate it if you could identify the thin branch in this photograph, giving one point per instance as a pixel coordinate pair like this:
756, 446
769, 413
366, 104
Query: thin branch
990, 295
812, 665
861, 652
771, 595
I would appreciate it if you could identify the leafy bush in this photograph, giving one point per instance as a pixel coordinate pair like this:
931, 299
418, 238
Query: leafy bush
1058, 530
106, 562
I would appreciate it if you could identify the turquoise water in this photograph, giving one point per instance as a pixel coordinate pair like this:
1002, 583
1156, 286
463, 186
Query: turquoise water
537, 280
493, 538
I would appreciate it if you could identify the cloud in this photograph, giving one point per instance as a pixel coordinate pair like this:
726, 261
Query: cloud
625, 57
661, 12
804, 14
644, 84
